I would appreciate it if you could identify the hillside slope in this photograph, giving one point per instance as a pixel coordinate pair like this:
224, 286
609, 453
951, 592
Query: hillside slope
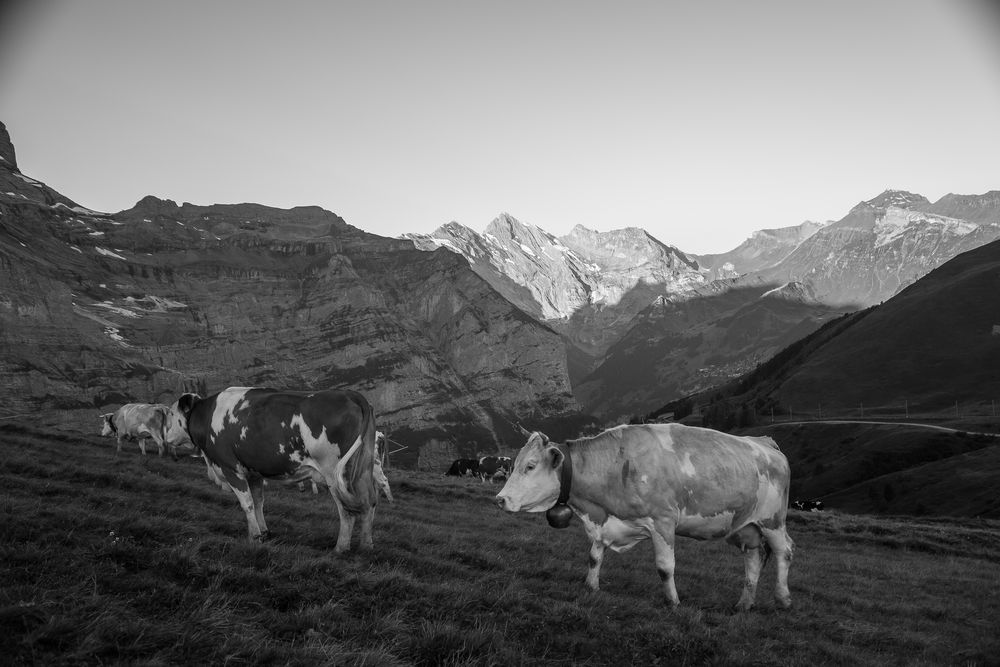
142, 560
100, 309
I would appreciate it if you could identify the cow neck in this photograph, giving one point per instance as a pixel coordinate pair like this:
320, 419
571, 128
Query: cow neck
565, 475
588, 486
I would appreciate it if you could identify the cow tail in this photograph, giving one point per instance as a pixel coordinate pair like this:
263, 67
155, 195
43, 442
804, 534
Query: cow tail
354, 489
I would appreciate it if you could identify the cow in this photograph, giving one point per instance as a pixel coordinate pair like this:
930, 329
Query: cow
249, 434
381, 481
653, 481
463, 467
137, 421
808, 505
494, 467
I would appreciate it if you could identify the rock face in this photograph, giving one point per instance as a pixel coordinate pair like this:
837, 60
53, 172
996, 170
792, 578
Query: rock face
587, 284
884, 244
7, 150
764, 248
97, 310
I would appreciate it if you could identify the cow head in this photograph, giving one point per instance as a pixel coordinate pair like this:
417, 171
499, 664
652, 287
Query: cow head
108, 424
177, 436
534, 482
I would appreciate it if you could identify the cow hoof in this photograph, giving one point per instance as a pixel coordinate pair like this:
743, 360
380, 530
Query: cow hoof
785, 603
741, 607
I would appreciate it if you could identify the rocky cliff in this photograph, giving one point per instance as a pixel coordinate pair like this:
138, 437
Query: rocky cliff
884, 244
587, 284
764, 248
99, 309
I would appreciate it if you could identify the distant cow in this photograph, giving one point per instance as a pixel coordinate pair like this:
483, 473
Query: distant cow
632, 483
248, 434
808, 505
137, 421
463, 467
494, 467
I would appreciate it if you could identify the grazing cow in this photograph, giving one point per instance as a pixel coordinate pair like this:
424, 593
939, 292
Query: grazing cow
653, 481
808, 505
494, 467
249, 434
137, 421
463, 467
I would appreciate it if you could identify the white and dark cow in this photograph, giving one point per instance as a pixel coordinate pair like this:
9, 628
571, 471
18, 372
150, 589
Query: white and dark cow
248, 435
632, 483
138, 421
463, 467
808, 505
494, 467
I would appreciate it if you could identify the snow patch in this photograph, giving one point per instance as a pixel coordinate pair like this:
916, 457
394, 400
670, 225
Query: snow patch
125, 312
154, 303
446, 243
29, 181
108, 253
77, 249
528, 251
897, 221
113, 334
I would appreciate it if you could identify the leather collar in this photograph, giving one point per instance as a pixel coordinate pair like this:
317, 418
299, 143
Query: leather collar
566, 475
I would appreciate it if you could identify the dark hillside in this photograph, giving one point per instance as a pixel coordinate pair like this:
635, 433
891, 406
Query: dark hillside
144, 561
891, 468
931, 345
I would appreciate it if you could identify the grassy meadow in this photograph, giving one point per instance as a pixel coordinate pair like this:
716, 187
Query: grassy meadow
144, 561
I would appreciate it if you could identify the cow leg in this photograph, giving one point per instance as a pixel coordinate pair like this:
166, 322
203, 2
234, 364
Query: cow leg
159, 443
119, 449
595, 560
241, 489
367, 521
750, 542
142, 444
663, 550
256, 485
781, 546
346, 524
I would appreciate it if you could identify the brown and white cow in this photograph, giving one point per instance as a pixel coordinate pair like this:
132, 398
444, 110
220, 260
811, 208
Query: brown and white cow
654, 481
249, 434
137, 421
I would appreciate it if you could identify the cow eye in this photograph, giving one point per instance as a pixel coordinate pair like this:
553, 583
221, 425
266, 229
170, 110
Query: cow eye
529, 467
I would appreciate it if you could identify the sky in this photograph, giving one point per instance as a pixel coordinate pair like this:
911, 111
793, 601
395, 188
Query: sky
697, 121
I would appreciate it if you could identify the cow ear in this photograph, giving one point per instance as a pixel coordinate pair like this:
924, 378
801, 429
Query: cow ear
186, 403
556, 456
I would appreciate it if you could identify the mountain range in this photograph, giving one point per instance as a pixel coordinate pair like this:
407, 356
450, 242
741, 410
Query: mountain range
100, 309
455, 336
643, 320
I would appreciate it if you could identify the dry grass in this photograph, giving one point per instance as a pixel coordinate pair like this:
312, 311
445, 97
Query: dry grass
144, 561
